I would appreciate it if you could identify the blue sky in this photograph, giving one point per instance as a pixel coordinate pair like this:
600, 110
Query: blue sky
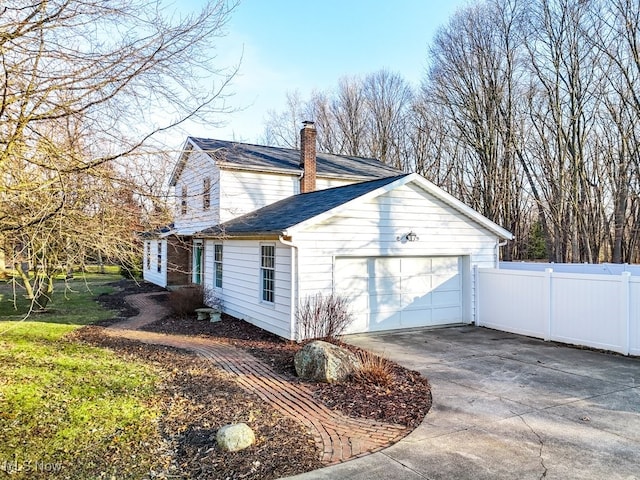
292, 45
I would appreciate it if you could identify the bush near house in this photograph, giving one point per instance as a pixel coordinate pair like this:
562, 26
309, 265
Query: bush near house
322, 316
184, 300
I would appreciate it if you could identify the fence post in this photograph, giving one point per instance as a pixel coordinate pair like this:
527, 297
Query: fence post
626, 311
476, 296
547, 302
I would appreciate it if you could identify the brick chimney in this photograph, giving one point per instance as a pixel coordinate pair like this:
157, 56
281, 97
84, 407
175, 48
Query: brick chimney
308, 157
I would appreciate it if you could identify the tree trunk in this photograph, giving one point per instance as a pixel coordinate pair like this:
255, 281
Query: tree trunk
24, 276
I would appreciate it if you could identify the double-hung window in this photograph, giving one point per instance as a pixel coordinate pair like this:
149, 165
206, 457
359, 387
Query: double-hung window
217, 261
159, 267
268, 272
206, 193
183, 201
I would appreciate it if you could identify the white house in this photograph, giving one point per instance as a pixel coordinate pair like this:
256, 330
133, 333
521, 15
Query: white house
265, 230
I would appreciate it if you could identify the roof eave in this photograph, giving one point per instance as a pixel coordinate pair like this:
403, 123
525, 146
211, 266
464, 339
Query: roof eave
462, 207
182, 159
239, 235
293, 172
429, 187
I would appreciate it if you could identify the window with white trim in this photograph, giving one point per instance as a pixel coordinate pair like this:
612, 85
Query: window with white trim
159, 257
148, 255
206, 193
268, 272
217, 262
183, 201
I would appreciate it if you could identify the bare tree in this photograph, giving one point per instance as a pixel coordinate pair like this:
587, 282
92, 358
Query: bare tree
562, 108
472, 78
389, 99
350, 112
617, 42
84, 84
362, 117
529, 112
281, 128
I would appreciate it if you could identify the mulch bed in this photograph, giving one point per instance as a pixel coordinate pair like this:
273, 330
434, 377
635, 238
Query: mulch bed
406, 400
196, 400
210, 398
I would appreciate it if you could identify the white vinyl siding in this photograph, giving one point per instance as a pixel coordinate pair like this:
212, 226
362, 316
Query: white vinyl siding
372, 228
241, 294
191, 179
244, 192
324, 183
230, 193
368, 229
157, 272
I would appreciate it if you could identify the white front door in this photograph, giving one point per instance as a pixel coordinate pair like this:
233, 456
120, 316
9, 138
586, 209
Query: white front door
198, 262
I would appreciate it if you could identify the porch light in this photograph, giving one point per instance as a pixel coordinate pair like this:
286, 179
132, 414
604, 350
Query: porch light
408, 237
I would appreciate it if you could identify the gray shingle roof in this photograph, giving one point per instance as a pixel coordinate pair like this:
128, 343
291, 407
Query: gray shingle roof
276, 218
263, 158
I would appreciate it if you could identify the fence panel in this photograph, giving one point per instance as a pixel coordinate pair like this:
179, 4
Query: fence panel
589, 310
634, 316
513, 301
600, 311
592, 268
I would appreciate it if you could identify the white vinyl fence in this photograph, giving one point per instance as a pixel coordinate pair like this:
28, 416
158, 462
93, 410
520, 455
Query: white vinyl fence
600, 311
598, 268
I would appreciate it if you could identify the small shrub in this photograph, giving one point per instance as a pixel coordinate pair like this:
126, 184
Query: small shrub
322, 316
212, 300
375, 370
185, 300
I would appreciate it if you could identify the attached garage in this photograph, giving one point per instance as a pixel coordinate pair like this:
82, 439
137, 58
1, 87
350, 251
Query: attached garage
400, 249
388, 293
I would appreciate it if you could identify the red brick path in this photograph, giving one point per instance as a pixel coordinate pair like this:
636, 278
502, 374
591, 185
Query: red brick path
338, 436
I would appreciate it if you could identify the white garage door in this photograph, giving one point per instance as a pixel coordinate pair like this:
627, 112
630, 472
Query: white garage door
388, 293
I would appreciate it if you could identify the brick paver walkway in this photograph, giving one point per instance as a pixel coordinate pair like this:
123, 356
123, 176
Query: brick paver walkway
338, 436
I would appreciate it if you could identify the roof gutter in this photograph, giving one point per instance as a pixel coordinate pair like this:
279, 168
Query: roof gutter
295, 171
238, 236
498, 245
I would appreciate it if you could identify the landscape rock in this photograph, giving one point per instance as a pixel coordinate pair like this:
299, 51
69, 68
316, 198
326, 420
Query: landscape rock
325, 362
235, 437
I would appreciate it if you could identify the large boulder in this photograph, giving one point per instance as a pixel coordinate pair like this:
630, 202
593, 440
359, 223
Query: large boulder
325, 362
235, 437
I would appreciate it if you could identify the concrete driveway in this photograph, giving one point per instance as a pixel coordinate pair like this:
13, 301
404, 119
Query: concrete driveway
508, 406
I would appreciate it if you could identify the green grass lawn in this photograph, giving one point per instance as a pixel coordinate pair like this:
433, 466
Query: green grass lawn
69, 410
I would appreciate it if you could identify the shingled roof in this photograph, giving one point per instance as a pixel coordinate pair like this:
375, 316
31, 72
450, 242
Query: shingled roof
259, 157
276, 218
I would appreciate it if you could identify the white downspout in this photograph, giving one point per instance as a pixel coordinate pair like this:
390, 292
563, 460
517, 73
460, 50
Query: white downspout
498, 245
294, 286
